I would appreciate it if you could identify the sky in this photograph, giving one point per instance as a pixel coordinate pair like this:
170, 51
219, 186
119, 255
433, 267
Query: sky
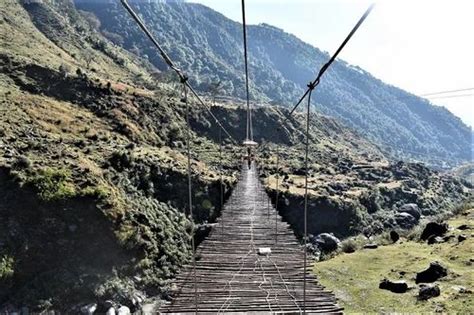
422, 46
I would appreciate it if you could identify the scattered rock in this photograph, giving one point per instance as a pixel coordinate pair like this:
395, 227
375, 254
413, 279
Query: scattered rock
461, 238
434, 228
435, 240
463, 227
428, 291
123, 310
411, 208
89, 309
394, 236
433, 273
327, 242
405, 220
394, 286
461, 289
370, 246
448, 237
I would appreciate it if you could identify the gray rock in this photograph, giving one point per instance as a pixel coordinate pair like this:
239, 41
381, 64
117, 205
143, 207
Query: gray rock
433, 273
435, 240
411, 208
123, 310
326, 242
394, 286
434, 228
428, 291
89, 309
394, 236
110, 311
405, 220
371, 246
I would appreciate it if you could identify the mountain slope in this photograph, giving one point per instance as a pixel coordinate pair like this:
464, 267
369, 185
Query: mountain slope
208, 46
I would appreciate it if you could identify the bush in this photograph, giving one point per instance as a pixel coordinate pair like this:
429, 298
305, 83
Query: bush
349, 246
22, 162
6, 267
53, 184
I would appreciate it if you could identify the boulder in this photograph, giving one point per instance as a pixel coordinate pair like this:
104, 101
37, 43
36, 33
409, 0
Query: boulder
89, 309
435, 240
110, 311
461, 238
123, 310
394, 236
411, 208
394, 286
434, 228
463, 227
370, 246
428, 291
433, 273
405, 220
326, 242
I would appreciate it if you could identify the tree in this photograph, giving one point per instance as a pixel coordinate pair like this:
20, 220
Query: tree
214, 89
91, 18
88, 58
64, 69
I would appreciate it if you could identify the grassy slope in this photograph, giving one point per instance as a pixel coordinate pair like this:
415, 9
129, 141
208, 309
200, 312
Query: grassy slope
355, 277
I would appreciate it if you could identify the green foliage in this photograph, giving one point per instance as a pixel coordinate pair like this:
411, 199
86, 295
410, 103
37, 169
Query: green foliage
6, 267
99, 191
53, 184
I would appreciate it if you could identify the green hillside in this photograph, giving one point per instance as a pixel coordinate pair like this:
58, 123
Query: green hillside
208, 46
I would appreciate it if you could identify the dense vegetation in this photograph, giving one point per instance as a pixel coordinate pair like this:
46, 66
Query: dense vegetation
204, 43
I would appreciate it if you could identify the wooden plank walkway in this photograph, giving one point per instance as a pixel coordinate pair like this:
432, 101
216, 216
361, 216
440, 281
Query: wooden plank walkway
233, 278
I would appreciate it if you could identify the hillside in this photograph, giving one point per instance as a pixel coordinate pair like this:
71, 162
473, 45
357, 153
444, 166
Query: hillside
93, 166
204, 43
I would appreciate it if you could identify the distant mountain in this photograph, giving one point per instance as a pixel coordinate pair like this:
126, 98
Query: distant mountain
208, 46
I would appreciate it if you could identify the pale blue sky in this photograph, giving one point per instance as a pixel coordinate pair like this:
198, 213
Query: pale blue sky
422, 46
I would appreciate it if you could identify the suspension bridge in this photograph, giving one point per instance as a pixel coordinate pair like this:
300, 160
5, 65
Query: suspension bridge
251, 262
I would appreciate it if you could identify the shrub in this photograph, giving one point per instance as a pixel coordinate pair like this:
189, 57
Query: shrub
99, 192
6, 267
22, 162
349, 246
53, 184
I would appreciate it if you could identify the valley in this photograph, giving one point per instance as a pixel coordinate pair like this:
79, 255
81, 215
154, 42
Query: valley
94, 173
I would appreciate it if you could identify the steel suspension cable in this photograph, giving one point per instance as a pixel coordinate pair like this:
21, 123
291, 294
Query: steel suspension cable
190, 197
331, 60
305, 220
221, 181
446, 92
169, 62
277, 193
249, 132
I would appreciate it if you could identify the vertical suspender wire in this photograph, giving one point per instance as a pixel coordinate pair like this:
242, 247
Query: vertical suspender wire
305, 236
277, 192
249, 133
190, 197
221, 181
